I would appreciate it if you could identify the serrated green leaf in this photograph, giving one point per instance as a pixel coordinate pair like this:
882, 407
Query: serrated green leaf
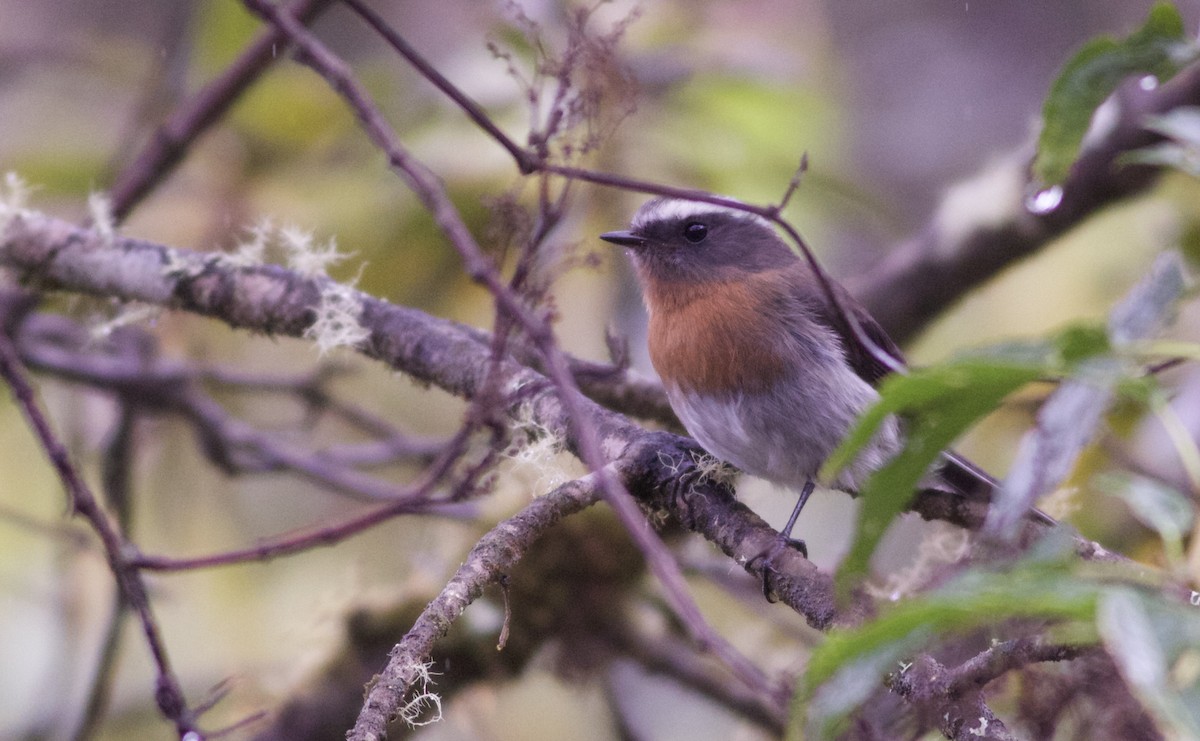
1088, 78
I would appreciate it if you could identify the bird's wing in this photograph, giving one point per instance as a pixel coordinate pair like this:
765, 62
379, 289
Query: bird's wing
863, 359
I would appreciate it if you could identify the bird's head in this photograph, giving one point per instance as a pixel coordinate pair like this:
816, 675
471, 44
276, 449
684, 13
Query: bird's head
674, 240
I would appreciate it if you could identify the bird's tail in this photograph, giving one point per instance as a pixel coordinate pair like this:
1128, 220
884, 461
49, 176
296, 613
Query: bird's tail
973, 482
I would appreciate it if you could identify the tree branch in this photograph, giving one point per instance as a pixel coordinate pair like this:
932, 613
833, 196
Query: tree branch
168, 692
54, 254
921, 277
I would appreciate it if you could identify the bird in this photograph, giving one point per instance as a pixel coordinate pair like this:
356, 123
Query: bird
760, 367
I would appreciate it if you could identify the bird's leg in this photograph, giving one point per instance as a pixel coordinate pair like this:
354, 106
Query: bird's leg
786, 532
785, 540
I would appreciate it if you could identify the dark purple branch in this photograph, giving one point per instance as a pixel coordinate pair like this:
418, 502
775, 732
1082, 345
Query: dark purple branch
118, 464
416, 501
670, 657
431, 73
975, 673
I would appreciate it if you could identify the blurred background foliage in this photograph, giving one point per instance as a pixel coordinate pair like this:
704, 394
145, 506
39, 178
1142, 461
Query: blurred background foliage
893, 102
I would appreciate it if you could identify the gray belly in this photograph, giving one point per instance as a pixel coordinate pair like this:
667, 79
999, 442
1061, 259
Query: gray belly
785, 435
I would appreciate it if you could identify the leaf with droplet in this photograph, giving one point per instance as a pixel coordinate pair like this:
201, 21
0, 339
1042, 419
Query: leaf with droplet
1158, 48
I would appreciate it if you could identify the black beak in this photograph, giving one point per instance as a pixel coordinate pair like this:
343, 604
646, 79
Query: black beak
624, 238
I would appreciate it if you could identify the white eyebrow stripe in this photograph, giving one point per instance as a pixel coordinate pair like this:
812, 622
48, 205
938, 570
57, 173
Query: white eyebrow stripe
678, 209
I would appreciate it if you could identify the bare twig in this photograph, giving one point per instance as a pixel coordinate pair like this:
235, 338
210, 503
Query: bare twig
168, 692
174, 137
118, 462
415, 499
152, 385
489, 560
995, 662
666, 655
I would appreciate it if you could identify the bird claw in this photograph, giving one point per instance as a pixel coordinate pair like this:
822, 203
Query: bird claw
768, 557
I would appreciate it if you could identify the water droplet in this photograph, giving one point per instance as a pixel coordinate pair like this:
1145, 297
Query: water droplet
1149, 82
1044, 200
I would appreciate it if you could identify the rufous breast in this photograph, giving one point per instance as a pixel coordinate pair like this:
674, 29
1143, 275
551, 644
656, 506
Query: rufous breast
709, 338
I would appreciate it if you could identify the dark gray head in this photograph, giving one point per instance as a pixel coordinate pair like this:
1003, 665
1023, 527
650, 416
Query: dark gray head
674, 239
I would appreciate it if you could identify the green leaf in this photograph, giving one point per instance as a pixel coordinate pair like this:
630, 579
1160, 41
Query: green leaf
1157, 506
937, 404
1056, 354
1153, 644
1069, 419
1158, 48
1080, 342
847, 668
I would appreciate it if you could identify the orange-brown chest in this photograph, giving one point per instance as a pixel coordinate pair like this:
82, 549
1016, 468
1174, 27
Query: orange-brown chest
718, 337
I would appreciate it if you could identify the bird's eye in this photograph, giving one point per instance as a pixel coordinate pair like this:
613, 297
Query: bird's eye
695, 232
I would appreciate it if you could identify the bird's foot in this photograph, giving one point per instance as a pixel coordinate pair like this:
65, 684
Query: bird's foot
768, 555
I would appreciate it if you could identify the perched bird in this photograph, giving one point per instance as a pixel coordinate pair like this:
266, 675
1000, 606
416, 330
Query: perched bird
758, 365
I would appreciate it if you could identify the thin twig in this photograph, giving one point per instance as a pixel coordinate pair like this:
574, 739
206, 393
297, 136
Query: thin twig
118, 463
170, 143
168, 692
416, 498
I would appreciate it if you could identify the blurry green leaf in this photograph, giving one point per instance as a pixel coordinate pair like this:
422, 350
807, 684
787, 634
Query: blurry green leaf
1154, 647
1082, 341
1182, 152
1146, 307
1055, 354
1157, 506
222, 32
1044, 585
824, 712
1158, 48
1178, 432
1070, 417
1160, 349
937, 404
1167, 154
